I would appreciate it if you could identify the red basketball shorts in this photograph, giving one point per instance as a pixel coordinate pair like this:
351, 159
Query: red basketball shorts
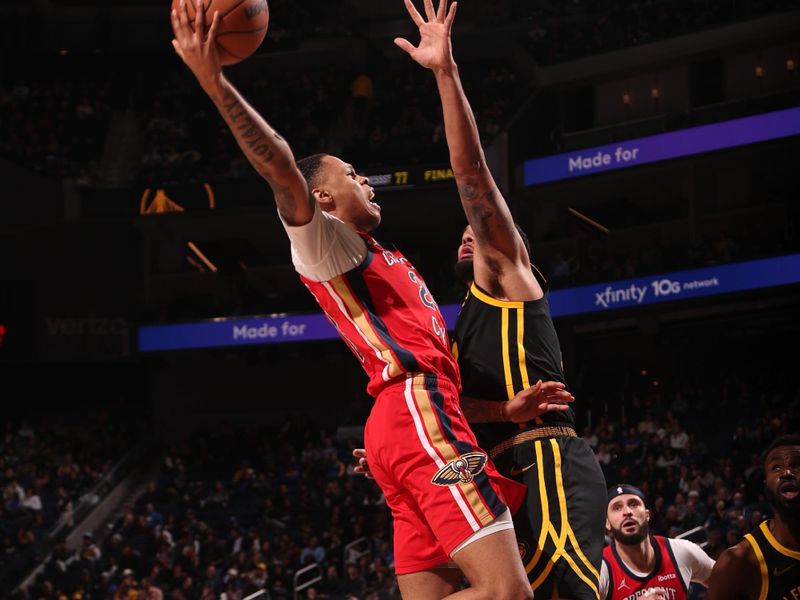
441, 487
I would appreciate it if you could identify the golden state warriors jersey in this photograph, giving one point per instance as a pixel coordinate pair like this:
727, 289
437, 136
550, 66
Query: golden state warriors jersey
779, 566
503, 347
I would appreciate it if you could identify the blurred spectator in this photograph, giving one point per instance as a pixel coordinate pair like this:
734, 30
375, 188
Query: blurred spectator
559, 32
56, 126
45, 468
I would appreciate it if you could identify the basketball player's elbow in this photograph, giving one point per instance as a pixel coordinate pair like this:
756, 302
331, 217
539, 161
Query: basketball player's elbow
468, 165
280, 171
286, 175
281, 165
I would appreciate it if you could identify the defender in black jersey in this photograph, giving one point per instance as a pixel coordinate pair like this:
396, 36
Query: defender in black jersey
505, 342
566, 489
766, 564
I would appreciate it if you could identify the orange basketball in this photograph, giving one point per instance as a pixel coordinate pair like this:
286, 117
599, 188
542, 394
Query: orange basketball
242, 29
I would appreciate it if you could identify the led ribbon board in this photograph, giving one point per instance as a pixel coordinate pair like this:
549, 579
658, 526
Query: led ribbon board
681, 285
629, 293
665, 146
410, 177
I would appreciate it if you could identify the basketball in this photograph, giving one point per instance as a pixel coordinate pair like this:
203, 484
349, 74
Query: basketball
242, 28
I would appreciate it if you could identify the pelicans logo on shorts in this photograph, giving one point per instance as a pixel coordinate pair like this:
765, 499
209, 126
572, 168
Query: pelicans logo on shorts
461, 470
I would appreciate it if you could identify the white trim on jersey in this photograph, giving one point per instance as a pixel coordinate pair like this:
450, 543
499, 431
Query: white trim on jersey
340, 303
412, 408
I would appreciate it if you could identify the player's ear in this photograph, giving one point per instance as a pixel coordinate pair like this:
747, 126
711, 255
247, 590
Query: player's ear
608, 525
324, 199
647, 514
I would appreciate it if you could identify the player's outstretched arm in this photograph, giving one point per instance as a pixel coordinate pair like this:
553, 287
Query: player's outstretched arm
484, 205
267, 151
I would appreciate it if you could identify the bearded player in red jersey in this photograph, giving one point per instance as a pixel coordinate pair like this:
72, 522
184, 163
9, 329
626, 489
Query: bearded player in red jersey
446, 497
640, 566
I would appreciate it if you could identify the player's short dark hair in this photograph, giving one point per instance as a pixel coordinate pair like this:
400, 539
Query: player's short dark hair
310, 167
792, 439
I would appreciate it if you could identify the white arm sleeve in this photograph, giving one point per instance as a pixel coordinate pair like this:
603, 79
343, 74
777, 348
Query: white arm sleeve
694, 564
603, 580
324, 247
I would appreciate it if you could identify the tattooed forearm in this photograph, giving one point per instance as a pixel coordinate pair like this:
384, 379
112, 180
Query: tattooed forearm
480, 206
267, 151
260, 143
484, 206
252, 138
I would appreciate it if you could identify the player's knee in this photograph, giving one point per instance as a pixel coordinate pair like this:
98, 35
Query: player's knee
513, 590
524, 591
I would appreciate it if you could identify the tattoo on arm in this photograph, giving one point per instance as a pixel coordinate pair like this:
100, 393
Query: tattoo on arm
266, 150
284, 200
468, 191
248, 133
480, 207
259, 141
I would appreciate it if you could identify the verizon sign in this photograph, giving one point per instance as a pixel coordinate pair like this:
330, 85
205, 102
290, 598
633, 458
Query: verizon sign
87, 326
87, 337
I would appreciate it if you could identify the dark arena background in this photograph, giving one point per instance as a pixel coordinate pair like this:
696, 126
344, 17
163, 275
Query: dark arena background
177, 416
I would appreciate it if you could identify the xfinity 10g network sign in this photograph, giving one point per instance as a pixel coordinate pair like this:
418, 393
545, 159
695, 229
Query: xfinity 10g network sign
681, 285
603, 297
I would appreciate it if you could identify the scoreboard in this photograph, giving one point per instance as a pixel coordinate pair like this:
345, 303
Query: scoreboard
411, 177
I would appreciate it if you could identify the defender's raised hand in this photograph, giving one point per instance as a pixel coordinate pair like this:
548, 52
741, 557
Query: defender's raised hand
196, 46
537, 400
435, 50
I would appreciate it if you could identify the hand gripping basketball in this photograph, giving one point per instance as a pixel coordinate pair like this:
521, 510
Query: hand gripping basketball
243, 24
194, 44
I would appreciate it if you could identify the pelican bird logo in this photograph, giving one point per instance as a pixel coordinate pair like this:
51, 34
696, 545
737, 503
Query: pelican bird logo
461, 470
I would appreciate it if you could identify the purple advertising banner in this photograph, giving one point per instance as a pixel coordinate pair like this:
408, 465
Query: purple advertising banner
236, 332
665, 146
629, 293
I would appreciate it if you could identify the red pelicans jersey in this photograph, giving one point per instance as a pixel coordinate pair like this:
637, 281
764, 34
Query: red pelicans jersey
440, 486
385, 313
623, 584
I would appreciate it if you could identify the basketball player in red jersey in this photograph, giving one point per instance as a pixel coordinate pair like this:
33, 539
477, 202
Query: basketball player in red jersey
446, 497
637, 565
765, 565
